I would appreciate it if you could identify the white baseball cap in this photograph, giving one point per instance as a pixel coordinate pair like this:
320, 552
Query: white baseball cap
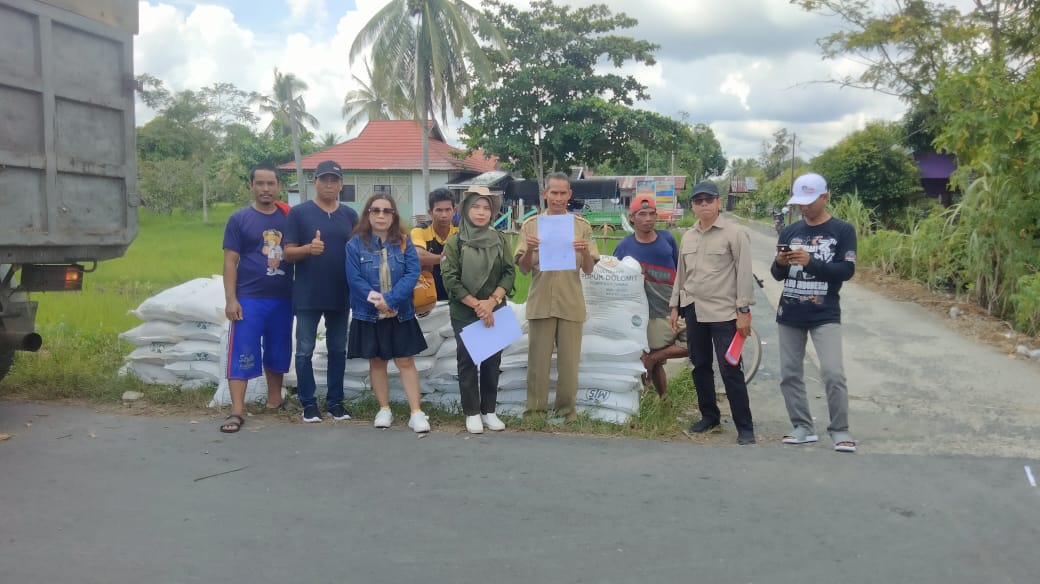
807, 188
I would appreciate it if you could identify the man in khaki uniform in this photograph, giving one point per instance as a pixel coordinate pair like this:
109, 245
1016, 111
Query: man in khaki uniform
555, 306
714, 290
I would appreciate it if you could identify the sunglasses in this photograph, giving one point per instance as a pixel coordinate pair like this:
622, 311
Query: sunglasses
380, 211
702, 200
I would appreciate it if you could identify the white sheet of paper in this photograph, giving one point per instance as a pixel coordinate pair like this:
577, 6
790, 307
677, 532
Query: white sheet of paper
483, 342
556, 243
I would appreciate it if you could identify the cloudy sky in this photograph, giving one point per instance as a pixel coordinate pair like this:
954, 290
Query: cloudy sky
745, 67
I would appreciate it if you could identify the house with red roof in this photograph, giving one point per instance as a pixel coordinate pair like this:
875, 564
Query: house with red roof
386, 157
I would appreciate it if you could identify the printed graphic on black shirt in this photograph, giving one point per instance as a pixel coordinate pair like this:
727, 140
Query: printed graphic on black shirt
802, 287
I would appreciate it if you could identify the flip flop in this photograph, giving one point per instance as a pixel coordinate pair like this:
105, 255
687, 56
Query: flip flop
843, 442
800, 435
232, 426
845, 446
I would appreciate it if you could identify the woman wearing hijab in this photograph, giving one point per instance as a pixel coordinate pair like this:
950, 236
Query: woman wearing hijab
382, 268
478, 273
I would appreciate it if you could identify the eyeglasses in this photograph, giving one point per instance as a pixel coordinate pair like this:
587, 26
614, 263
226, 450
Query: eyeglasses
702, 200
380, 211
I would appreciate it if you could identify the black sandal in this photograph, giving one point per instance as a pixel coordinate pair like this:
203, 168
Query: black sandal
232, 427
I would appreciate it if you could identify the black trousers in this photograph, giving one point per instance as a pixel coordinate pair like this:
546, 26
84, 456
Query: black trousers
707, 339
479, 391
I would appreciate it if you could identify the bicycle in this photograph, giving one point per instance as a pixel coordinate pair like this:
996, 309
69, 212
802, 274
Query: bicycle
750, 355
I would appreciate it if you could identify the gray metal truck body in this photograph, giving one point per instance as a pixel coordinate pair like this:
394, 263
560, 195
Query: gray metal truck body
68, 171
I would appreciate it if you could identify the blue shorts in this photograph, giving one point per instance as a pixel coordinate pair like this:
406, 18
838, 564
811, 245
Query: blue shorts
266, 323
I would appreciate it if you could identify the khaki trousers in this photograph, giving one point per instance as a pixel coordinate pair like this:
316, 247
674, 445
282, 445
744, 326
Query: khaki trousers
565, 335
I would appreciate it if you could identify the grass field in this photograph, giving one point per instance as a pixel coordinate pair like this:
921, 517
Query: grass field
82, 353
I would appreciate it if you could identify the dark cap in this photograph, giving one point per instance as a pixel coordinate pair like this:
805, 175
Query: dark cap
706, 187
328, 167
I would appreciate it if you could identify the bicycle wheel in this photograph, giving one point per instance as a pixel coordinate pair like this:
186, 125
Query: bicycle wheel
751, 358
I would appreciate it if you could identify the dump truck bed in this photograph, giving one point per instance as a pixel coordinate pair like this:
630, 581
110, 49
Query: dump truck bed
68, 172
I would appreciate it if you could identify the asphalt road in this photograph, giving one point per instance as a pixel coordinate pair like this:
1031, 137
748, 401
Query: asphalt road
939, 492
99, 498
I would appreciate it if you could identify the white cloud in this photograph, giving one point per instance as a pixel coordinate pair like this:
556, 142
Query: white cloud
746, 67
735, 85
309, 10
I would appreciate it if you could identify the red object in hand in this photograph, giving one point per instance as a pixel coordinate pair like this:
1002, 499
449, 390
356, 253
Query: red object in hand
733, 352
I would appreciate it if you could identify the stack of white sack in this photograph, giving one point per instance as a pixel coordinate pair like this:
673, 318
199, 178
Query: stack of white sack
613, 339
614, 336
356, 379
179, 342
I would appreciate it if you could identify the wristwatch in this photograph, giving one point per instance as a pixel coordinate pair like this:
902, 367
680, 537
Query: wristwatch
744, 309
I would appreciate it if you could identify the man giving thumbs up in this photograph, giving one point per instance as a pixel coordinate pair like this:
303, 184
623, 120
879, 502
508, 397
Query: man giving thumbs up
316, 240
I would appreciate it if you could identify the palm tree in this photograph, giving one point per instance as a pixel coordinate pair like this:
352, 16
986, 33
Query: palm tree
286, 106
429, 45
329, 139
380, 99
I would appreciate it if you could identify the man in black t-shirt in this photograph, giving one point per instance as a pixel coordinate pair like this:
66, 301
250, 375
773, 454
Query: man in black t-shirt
814, 256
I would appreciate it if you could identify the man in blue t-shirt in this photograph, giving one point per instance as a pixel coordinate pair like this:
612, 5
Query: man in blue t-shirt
658, 254
814, 257
316, 242
257, 294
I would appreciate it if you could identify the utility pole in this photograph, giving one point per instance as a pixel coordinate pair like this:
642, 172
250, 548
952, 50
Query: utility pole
793, 136
790, 212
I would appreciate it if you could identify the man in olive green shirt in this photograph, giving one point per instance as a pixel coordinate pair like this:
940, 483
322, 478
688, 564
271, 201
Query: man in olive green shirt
555, 306
714, 290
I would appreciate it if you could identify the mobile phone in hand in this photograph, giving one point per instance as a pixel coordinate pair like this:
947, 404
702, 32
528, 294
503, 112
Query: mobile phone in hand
782, 248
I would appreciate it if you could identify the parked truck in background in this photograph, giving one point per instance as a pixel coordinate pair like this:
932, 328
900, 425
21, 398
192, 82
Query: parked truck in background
68, 169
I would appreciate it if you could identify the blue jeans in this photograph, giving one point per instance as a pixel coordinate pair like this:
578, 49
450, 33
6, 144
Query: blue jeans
335, 342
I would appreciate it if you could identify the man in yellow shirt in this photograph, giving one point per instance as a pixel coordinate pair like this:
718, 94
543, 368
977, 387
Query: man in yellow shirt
429, 240
555, 306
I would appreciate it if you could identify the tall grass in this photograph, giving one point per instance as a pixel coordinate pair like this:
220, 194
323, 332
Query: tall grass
850, 208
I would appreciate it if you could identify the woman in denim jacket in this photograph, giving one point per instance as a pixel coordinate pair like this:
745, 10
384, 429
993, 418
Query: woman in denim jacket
382, 269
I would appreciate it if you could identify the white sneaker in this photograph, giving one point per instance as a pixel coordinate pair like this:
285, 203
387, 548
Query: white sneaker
383, 418
492, 422
419, 422
474, 425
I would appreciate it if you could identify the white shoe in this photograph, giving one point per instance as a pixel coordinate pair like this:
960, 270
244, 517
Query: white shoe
474, 425
492, 422
383, 418
419, 422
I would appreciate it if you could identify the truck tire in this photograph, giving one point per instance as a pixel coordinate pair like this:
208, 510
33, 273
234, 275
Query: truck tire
6, 358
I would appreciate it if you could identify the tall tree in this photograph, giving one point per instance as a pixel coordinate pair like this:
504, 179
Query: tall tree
873, 164
776, 157
907, 44
661, 145
551, 87
430, 46
288, 110
380, 98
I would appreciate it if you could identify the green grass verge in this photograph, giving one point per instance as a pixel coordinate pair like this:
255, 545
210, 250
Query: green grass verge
82, 353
